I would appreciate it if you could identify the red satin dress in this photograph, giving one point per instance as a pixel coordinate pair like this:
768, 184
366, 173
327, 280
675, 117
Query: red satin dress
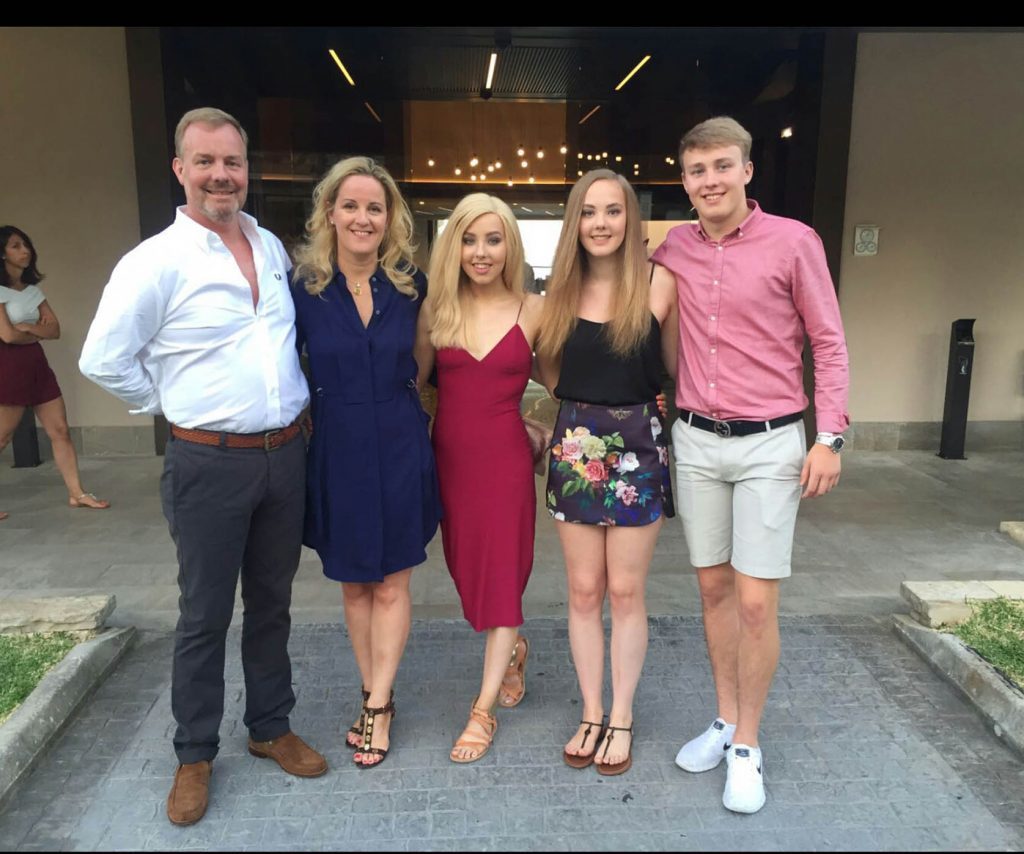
485, 472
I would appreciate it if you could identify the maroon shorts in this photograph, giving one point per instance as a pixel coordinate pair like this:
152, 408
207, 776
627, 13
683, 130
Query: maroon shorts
25, 376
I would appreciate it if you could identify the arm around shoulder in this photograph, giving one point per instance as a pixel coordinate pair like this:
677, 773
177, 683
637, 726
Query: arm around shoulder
665, 307
423, 350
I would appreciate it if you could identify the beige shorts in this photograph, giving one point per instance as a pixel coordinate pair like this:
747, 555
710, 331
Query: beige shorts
739, 496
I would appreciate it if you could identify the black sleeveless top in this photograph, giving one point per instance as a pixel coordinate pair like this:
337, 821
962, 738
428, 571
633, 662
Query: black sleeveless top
593, 373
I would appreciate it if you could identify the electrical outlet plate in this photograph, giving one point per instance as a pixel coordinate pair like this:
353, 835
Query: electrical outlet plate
865, 239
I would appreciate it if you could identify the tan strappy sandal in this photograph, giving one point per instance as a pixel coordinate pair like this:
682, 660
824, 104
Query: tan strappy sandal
488, 723
513, 685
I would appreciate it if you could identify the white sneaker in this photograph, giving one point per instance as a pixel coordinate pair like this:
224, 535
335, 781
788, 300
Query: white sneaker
708, 749
744, 782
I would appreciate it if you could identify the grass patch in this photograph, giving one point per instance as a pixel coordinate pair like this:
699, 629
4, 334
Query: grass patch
24, 660
996, 631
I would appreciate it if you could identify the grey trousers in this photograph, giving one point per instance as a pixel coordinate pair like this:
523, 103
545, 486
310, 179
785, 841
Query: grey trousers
233, 512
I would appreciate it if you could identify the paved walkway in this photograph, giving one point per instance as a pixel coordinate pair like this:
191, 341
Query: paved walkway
865, 748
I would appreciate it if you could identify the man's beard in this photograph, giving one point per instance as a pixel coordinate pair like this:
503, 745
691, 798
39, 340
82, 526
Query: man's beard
218, 212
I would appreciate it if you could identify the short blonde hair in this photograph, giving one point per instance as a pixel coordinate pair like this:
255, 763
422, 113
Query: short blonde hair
206, 116
317, 255
711, 133
446, 293
630, 323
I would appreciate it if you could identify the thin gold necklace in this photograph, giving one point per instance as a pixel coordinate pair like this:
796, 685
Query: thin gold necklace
358, 288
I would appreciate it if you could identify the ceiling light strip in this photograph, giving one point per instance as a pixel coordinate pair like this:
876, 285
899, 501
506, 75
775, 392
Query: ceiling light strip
490, 71
639, 65
341, 65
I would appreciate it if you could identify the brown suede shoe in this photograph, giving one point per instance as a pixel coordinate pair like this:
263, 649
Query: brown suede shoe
190, 794
292, 754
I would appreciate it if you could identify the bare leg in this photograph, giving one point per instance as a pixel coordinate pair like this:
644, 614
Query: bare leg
358, 605
497, 652
389, 631
758, 651
629, 553
53, 417
10, 416
722, 631
584, 549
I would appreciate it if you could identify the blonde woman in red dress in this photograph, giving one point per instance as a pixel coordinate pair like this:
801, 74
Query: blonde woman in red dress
481, 326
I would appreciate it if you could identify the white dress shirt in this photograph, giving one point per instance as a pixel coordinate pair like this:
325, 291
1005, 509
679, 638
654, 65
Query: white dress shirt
176, 332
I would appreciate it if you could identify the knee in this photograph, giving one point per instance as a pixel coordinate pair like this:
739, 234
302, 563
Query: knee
586, 597
357, 594
388, 594
715, 591
625, 598
755, 616
58, 432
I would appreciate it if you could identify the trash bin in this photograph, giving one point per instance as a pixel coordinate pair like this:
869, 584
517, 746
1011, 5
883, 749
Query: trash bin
958, 390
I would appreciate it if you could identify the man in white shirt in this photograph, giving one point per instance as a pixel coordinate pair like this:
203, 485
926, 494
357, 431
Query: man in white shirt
197, 323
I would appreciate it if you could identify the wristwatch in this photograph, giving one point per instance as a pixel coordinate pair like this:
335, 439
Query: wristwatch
833, 441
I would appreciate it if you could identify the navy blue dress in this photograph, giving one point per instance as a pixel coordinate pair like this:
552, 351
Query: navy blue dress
372, 500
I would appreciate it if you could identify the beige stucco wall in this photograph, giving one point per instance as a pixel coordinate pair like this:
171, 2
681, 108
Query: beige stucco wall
68, 176
938, 131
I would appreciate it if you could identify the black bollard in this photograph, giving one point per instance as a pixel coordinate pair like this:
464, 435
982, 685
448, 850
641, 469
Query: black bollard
958, 390
25, 441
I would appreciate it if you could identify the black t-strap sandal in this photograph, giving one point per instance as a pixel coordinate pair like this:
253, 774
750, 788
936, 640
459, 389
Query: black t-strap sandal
617, 767
574, 760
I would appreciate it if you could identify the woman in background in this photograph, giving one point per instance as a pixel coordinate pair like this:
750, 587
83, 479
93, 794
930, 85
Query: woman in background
26, 379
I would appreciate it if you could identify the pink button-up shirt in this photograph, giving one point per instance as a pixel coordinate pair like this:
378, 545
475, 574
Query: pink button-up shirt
745, 302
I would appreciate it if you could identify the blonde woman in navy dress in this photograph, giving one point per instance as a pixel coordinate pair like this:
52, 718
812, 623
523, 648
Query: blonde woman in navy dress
601, 348
372, 501
26, 379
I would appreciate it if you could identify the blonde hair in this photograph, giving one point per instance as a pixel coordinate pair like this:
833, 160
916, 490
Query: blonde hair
446, 293
711, 133
318, 253
630, 322
205, 116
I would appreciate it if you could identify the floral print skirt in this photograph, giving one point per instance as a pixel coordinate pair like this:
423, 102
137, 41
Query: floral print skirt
609, 465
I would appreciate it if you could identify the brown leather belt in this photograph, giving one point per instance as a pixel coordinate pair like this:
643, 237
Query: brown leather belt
268, 441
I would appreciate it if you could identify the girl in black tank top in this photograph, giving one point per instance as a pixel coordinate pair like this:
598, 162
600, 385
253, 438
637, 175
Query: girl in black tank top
592, 372
608, 483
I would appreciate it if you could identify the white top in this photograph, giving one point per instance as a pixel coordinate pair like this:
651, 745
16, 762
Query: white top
22, 306
176, 332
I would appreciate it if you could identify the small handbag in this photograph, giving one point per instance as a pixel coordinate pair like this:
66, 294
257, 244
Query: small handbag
539, 435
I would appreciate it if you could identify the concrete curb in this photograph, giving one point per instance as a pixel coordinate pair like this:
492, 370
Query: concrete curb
1000, 703
29, 731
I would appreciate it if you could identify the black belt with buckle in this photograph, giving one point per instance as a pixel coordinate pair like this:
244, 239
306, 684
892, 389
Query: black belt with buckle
724, 429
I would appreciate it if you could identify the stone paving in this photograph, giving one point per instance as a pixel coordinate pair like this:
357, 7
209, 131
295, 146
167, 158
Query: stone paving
865, 749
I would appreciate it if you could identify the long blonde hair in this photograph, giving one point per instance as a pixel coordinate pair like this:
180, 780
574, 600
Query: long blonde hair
445, 292
630, 321
318, 253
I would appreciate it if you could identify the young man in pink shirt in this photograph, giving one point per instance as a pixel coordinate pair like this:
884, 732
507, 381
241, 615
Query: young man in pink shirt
750, 285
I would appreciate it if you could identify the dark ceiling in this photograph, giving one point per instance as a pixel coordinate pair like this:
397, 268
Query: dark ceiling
768, 78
